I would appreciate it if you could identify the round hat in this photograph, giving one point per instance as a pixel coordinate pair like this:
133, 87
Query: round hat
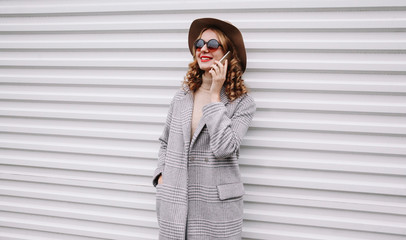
227, 28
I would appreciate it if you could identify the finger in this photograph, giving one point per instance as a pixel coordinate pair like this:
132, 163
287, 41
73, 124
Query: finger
219, 65
225, 68
215, 68
212, 72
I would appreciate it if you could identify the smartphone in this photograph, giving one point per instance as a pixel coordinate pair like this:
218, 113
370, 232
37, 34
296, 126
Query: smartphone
226, 56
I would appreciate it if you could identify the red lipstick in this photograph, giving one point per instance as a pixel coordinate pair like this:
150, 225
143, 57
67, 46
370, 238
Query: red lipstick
205, 58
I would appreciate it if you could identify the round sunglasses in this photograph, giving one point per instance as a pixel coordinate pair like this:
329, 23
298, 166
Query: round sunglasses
212, 44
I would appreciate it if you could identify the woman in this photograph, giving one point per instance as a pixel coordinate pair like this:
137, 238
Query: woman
199, 188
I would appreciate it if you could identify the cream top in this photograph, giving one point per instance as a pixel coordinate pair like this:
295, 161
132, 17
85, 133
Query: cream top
201, 98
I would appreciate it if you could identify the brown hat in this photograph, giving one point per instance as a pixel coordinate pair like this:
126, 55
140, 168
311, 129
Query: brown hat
227, 28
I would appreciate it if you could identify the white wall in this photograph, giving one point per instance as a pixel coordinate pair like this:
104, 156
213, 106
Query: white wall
85, 87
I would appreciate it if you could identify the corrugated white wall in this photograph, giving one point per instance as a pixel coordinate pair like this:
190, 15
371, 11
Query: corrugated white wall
85, 87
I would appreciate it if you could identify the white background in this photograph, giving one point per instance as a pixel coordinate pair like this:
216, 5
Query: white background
85, 88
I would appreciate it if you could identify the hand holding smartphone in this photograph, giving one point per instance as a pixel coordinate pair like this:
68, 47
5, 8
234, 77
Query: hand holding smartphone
219, 78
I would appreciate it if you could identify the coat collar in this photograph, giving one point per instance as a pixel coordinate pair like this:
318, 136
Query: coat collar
186, 114
223, 96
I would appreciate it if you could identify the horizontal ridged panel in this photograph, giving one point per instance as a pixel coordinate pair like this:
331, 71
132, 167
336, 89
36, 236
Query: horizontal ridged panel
77, 6
85, 88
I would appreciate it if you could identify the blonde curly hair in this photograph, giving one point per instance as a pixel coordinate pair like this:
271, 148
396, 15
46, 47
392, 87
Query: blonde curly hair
234, 84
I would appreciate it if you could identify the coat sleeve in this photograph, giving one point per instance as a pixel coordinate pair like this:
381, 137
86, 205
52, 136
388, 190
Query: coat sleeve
226, 133
163, 139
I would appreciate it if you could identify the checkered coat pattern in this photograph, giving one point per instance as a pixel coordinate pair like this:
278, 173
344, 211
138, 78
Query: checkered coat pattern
201, 194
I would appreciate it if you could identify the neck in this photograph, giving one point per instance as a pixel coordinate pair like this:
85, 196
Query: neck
206, 81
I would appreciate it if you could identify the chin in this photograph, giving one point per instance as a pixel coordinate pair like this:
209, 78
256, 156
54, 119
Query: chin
205, 67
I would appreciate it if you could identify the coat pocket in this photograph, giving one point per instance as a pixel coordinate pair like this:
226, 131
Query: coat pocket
231, 190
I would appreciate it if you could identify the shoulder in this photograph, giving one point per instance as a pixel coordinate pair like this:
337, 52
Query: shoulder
179, 95
244, 104
245, 100
248, 98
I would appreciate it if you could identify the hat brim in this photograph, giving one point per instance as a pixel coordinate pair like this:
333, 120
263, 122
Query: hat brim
227, 28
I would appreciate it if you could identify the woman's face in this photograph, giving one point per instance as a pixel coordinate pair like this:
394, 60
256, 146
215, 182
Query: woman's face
205, 57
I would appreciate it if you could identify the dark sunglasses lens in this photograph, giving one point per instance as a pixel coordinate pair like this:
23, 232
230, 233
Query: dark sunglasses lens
213, 44
199, 43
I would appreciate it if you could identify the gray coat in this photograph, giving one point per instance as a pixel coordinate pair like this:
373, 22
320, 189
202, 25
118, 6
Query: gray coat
201, 195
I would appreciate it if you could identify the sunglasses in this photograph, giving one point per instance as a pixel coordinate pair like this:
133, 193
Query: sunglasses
212, 44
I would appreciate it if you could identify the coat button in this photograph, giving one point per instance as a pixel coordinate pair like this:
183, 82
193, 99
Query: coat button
206, 159
191, 159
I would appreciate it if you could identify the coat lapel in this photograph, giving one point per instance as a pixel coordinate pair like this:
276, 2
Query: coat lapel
187, 110
199, 128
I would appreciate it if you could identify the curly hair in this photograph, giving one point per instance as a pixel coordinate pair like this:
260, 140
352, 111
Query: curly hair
234, 84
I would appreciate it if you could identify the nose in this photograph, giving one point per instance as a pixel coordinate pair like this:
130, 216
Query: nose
204, 48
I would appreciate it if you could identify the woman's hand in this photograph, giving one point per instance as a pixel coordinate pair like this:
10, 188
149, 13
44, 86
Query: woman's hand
160, 181
218, 73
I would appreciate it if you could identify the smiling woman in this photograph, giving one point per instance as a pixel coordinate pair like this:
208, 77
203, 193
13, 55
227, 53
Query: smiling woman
206, 53
199, 188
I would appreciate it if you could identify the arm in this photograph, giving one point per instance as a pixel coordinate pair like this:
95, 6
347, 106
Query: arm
163, 139
226, 133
